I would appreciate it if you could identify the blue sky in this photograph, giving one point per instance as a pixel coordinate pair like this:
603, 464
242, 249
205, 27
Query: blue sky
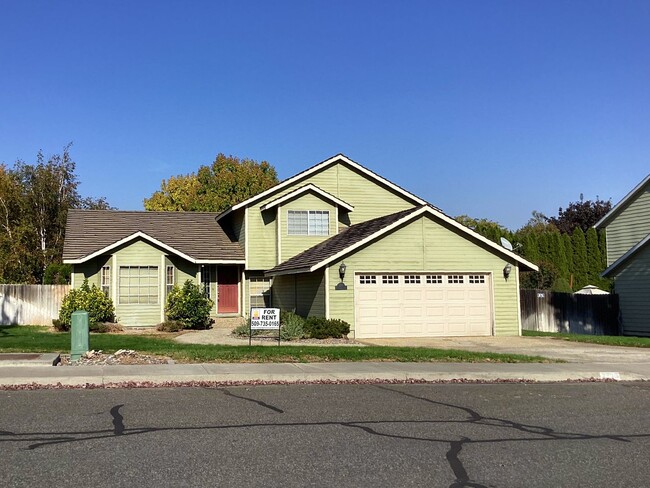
488, 108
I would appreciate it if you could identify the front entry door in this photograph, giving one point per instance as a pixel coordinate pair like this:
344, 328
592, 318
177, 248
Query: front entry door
228, 289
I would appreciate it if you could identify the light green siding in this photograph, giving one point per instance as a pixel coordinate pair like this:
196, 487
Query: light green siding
290, 245
629, 226
369, 199
428, 246
89, 270
633, 288
302, 293
239, 227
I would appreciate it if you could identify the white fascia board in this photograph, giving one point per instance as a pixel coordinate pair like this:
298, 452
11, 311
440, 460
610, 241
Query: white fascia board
609, 215
303, 189
632, 251
439, 215
313, 169
152, 240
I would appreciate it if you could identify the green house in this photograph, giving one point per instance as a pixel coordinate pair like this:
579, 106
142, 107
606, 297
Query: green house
627, 228
335, 240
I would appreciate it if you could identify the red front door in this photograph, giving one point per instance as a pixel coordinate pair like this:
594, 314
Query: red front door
227, 289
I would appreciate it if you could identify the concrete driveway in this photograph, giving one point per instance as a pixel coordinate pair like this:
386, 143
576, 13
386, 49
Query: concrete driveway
575, 352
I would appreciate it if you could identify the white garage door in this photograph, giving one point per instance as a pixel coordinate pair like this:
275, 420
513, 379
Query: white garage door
422, 305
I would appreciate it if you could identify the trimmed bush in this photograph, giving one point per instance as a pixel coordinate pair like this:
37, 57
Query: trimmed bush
89, 299
322, 328
189, 306
59, 326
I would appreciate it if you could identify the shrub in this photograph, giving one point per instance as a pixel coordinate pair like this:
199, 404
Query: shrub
90, 299
57, 274
292, 326
170, 326
106, 328
322, 328
189, 306
59, 326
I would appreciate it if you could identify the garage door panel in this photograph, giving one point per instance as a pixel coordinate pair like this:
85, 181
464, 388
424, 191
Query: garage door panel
408, 305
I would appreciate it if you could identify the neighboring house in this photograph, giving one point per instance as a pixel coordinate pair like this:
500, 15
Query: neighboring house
627, 228
336, 241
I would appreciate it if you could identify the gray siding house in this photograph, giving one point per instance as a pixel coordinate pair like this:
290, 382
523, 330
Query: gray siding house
627, 227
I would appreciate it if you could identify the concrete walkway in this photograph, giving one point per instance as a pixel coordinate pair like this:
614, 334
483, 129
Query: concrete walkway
318, 372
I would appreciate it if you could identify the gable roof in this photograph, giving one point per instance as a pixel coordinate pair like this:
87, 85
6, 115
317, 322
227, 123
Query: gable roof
306, 188
360, 234
316, 168
636, 191
194, 236
625, 258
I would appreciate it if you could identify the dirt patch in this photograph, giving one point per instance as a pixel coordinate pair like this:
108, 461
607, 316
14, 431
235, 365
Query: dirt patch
123, 356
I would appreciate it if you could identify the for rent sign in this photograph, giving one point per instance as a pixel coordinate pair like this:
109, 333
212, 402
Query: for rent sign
265, 318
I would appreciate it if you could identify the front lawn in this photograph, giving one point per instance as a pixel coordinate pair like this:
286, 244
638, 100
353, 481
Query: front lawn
39, 339
626, 341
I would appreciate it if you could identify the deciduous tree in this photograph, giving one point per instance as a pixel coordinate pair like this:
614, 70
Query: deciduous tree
227, 181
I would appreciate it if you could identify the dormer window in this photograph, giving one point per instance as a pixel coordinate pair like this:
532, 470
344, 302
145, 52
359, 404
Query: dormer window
308, 222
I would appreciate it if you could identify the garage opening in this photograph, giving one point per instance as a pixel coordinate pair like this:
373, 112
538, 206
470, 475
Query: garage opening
422, 304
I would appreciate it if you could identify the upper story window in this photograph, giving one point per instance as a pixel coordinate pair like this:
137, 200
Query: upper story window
308, 222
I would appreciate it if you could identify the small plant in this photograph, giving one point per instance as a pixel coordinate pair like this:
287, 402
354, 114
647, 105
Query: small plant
292, 326
106, 328
189, 306
322, 328
59, 326
89, 299
170, 326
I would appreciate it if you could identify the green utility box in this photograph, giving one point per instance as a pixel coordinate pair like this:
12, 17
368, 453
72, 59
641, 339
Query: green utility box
79, 336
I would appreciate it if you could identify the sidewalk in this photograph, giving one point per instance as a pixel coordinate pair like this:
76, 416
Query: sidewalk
319, 372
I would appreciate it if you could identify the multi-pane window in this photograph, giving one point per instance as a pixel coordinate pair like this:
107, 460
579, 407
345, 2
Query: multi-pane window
138, 284
260, 292
476, 279
412, 279
308, 222
368, 279
169, 279
390, 279
455, 279
106, 280
434, 279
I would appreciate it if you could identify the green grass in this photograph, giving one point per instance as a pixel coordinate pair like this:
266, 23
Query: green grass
626, 341
38, 339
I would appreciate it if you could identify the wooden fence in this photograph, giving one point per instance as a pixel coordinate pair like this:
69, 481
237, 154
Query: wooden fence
30, 304
547, 311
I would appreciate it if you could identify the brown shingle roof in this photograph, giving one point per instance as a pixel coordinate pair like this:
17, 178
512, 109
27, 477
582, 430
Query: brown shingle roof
195, 234
335, 244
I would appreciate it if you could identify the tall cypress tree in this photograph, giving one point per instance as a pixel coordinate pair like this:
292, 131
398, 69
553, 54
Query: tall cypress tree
594, 261
559, 257
580, 266
602, 243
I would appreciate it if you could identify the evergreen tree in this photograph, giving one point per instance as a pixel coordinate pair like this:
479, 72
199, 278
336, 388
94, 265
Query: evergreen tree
594, 261
602, 243
568, 252
580, 265
560, 256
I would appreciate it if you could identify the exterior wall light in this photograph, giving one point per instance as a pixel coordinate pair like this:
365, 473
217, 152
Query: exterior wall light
506, 271
342, 269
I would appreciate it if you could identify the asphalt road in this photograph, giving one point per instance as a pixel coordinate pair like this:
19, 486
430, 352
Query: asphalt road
503, 435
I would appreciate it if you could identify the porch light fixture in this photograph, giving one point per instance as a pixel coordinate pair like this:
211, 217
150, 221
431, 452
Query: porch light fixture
507, 270
342, 269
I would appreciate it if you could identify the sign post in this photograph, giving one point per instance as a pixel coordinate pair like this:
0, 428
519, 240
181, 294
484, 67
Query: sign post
264, 319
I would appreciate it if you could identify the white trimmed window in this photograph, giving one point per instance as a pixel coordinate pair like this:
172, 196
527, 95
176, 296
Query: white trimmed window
169, 279
412, 279
260, 292
206, 280
138, 284
106, 280
367, 280
455, 279
476, 279
389, 279
434, 279
308, 222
